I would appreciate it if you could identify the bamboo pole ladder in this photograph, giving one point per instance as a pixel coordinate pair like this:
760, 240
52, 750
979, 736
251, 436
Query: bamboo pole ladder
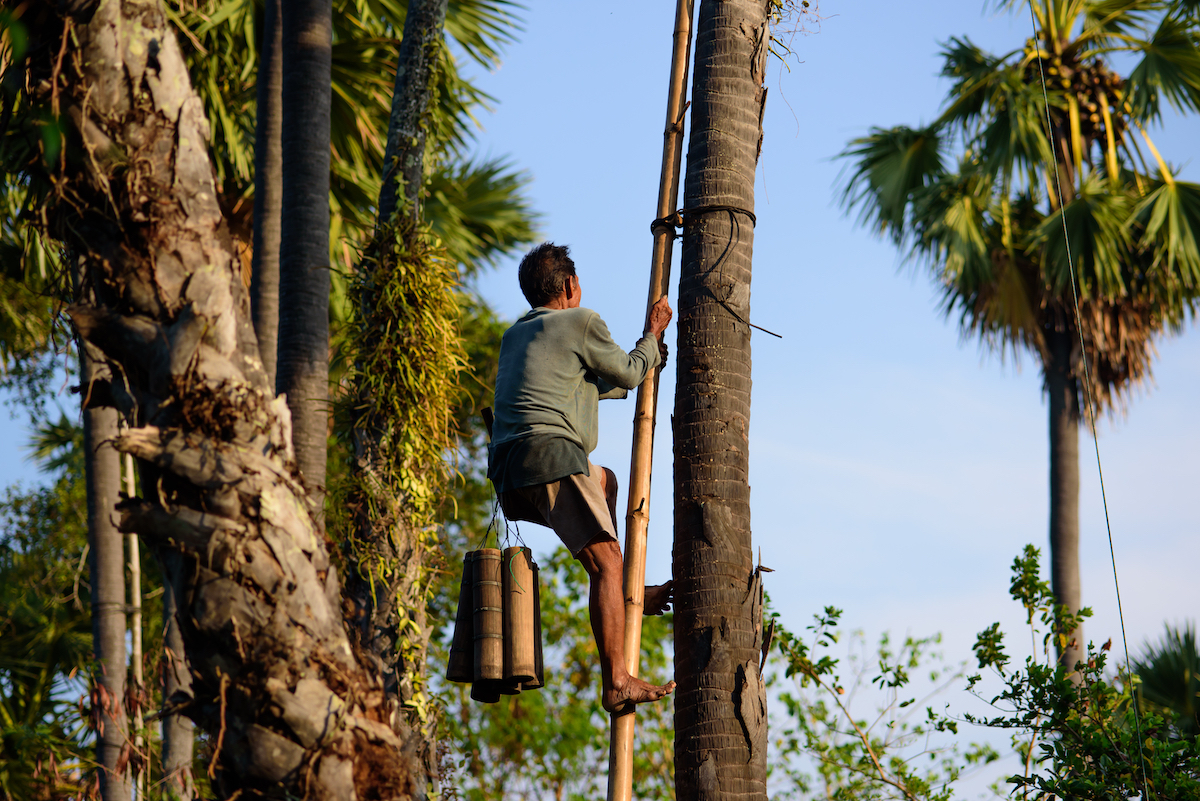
637, 518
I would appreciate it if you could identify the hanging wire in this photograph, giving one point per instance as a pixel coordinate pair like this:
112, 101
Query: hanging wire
1090, 401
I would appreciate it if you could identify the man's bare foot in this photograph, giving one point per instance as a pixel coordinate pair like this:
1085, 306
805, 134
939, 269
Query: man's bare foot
658, 598
621, 699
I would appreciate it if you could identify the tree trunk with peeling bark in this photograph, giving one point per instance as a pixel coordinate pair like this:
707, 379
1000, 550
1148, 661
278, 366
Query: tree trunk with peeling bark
303, 355
720, 704
291, 707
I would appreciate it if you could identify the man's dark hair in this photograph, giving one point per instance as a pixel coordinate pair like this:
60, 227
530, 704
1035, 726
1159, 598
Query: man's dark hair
543, 272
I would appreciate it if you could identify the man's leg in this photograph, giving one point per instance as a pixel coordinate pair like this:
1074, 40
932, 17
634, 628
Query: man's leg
602, 559
657, 598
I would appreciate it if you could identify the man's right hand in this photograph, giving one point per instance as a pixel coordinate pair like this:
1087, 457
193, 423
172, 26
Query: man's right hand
660, 317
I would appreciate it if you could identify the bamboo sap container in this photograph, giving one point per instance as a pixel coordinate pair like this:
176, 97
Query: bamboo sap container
486, 691
488, 615
461, 665
518, 616
538, 680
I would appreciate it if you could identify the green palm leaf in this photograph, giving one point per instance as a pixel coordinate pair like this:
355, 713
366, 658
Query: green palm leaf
1099, 242
1169, 671
889, 166
1014, 138
1109, 22
975, 75
479, 212
1169, 67
1170, 219
483, 27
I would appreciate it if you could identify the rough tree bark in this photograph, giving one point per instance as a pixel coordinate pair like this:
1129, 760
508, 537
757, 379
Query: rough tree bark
291, 709
404, 154
268, 190
720, 705
1063, 390
106, 562
303, 355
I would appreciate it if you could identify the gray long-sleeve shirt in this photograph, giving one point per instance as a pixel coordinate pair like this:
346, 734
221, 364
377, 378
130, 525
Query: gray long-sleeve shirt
555, 365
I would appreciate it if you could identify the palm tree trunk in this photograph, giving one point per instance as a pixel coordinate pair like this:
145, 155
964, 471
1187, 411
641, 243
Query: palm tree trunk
106, 556
1063, 389
178, 737
291, 708
404, 154
385, 560
720, 706
268, 190
303, 364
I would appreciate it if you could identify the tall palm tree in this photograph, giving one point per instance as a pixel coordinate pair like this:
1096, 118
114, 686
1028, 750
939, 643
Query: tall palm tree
268, 188
720, 705
303, 346
991, 227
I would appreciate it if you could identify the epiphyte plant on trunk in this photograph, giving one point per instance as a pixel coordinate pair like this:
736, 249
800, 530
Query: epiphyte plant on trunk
991, 226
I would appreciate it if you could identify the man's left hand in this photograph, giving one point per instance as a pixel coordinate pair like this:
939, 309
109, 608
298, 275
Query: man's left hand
662, 353
658, 598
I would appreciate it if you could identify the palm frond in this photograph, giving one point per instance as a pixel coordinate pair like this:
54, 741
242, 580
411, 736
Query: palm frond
1169, 671
1170, 221
483, 27
1096, 226
1014, 138
59, 445
1107, 20
889, 166
479, 212
1169, 68
974, 75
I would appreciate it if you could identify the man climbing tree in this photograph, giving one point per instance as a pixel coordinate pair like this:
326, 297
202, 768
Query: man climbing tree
720, 712
556, 363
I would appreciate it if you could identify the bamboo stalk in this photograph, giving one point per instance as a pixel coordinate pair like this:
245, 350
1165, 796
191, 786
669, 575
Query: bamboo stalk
637, 519
517, 584
488, 623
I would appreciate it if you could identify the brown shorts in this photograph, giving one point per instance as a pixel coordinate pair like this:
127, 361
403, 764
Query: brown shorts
573, 506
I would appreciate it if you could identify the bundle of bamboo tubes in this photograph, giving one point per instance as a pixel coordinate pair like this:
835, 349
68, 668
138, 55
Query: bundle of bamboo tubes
497, 644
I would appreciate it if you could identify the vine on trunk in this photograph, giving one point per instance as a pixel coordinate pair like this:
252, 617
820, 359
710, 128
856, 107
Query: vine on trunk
395, 419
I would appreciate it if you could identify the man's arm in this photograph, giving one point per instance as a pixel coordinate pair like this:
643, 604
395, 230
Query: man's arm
612, 364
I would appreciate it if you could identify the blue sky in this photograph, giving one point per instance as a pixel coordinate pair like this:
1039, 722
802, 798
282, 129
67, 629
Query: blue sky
896, 470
